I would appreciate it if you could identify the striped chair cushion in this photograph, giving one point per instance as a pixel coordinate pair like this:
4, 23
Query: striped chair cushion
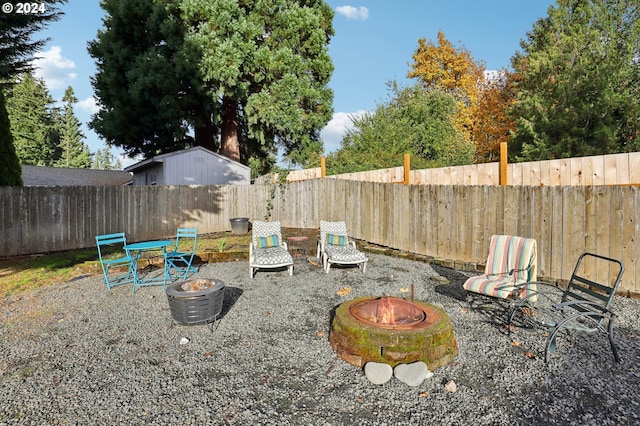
507, 253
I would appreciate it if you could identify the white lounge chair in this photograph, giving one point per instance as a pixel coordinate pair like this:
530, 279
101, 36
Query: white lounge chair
336, 247
267, 250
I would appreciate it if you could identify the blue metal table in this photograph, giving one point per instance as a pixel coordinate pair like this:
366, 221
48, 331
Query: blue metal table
149, 246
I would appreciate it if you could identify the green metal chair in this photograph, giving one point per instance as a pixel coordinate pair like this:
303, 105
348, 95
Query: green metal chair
181, 258
583, 306
113, 254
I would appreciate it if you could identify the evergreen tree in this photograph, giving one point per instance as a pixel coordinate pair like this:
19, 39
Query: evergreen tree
104, 160
578, 82
10, 171
16, 36
29, 106
247, 77
73, 151
147, 82
16, 47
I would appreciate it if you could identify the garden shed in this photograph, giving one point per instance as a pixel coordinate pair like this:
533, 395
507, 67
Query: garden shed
194, 166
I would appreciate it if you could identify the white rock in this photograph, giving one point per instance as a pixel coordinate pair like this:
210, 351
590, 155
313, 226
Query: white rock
451, 386
184, 341
412, 374
378, 373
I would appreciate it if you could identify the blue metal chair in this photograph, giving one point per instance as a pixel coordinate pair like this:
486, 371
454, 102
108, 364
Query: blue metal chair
116, 256
180, 259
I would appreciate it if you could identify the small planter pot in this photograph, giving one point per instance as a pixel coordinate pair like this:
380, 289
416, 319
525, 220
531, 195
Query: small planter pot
239, 225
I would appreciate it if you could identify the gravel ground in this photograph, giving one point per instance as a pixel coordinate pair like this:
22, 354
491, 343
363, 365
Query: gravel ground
76, 353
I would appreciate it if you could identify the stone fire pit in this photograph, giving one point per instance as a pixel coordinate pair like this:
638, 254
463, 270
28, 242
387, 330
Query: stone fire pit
195, 301
394, 331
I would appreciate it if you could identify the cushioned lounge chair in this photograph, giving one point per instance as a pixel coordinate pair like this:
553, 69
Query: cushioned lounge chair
335, 247
267, 250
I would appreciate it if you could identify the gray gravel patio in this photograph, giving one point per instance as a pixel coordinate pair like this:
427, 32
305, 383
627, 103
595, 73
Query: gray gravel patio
75, 353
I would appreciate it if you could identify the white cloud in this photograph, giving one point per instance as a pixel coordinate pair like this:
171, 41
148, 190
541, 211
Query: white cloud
350, 12
89, 105
54, 68
334, 131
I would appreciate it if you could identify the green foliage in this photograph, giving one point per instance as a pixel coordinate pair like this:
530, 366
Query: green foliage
271, 61
278, 180
578, 82
103, 159
250, 74
73, 152
10, 171
415, 121
30, 109
16, 37
147, 81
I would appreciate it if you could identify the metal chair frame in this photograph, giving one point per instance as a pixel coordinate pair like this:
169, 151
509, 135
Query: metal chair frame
583, 306
182, 261
117, 240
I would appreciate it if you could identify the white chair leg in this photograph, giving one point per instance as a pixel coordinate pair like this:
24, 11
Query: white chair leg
291, 270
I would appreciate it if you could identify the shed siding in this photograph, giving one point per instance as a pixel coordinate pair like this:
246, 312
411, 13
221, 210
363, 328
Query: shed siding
194, 166
201, 168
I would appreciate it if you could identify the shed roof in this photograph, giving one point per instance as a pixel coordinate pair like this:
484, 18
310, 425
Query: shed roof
161, 158
63, 176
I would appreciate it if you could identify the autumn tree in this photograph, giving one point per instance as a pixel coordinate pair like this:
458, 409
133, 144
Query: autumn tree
451, 69
413, 121
579, 82
491, 124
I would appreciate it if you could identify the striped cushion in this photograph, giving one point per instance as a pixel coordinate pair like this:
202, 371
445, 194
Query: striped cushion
266, 242
506, 253
336, 240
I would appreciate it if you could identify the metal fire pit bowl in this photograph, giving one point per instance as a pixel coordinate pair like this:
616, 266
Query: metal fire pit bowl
196, 301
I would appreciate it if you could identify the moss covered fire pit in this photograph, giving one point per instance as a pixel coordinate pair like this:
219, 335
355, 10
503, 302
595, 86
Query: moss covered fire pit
394, 331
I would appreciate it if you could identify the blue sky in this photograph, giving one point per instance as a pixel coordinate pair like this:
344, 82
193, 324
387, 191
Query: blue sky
373, 43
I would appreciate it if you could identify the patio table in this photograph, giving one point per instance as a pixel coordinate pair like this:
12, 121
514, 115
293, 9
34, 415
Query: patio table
149, 246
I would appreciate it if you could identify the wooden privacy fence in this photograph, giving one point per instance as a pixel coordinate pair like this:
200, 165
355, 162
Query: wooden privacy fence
613, 169
451, 223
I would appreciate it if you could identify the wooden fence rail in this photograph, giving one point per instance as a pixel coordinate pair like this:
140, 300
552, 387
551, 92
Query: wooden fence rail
613, 169
447, 222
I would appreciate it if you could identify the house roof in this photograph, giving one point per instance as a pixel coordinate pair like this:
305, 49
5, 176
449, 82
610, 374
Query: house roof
160, 159
63, 176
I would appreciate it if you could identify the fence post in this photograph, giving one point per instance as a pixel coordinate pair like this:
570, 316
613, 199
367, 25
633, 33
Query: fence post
323, 167
407, 169
503, 164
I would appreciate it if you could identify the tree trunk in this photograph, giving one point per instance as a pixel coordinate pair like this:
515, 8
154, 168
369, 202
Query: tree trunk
204, 137
230, 146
